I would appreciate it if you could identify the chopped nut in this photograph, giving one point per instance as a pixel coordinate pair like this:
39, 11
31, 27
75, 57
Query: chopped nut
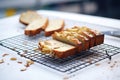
19, 62
28, 63
13, 59
4, 55
23, 69
97, 64
1, 61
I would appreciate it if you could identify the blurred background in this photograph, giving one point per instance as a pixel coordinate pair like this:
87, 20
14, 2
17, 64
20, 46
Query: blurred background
104, 8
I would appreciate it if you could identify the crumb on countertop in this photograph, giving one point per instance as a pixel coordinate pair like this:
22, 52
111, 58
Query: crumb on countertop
19, 62
97, 64
13, 59
113, 64
1, 61
23, 69
28, 63
65, 78
109, 62
5, 55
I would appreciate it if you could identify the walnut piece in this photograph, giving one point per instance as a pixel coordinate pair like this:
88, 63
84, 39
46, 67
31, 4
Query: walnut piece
1, 61
23, 69
28, 63
13, 59
97, 64
19, 62
5, 55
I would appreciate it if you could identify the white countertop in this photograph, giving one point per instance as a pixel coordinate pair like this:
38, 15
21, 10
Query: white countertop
10, 70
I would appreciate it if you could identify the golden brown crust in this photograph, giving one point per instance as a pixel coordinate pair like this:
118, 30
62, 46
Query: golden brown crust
64, 54
46, 24
32, 32
22, 22
85, 42
99, 39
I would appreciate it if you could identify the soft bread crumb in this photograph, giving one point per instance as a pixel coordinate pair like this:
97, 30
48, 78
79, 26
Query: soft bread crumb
23, 69
1, 61
13, 59
19, 62
97, 64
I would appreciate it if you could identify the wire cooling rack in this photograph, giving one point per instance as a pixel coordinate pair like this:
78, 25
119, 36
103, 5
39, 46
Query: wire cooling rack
28, 47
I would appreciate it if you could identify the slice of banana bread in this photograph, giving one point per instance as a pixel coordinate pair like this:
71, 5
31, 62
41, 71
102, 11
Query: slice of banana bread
56, 48
36, 26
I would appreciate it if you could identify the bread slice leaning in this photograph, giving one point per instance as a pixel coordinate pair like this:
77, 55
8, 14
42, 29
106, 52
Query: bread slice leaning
36, 26
56, 48
28, 17
54, 25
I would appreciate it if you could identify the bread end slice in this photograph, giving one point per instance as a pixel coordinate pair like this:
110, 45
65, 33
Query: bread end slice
99, 37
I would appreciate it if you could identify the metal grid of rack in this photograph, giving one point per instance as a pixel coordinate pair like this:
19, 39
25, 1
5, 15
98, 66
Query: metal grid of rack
28, 47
